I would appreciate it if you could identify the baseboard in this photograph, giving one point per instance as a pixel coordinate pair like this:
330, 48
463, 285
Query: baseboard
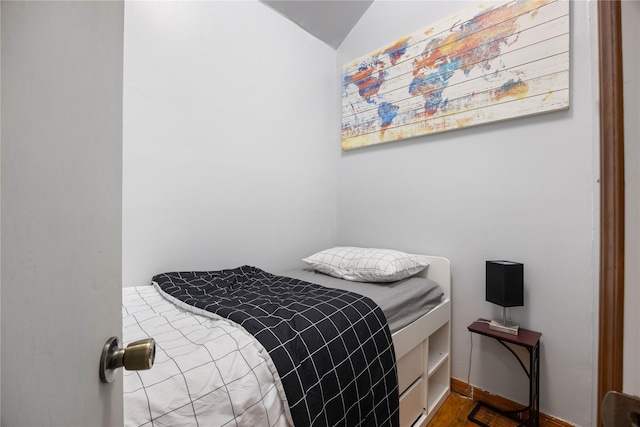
462, 388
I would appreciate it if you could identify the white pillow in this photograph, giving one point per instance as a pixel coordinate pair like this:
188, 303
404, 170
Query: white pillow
366, 264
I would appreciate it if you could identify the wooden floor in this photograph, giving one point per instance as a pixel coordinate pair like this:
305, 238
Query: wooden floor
453, 412
455, 409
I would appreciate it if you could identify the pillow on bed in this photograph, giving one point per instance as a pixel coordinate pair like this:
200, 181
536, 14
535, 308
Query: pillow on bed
365, 264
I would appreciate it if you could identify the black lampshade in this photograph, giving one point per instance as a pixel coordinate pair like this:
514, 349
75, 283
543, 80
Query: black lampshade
505, 283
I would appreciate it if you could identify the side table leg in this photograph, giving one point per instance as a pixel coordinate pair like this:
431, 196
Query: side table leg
534, 391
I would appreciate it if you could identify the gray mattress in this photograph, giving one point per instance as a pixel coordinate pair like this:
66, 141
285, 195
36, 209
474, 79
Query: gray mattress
402, 302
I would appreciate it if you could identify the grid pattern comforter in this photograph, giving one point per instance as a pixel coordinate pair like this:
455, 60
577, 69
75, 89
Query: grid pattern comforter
332, 348
208, 371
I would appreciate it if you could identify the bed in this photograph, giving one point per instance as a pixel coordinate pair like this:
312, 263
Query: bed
211, 371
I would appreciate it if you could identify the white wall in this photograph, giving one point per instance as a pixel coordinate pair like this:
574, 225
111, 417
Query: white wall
522, 190
631, 68
229, 139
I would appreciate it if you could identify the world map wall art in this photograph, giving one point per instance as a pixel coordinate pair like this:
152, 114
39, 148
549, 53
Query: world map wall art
495, 61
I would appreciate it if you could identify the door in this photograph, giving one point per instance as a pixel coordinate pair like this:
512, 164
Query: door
61, 179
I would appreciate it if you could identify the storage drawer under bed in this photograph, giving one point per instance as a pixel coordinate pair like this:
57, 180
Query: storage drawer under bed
410, 367
412, 404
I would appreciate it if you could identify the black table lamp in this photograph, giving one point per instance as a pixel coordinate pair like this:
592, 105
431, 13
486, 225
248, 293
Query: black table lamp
505, 288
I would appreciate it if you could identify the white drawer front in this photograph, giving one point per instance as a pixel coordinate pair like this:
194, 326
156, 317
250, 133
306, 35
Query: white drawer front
410, 367
412, 404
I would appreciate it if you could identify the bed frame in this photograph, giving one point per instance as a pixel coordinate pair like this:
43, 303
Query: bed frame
423, 353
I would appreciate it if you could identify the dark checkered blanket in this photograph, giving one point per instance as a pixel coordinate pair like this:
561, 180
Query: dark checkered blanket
332, 348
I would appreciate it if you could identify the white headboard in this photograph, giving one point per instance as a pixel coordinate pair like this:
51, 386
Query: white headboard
439, 271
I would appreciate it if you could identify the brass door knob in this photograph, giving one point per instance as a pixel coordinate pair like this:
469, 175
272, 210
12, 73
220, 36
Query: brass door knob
138, 356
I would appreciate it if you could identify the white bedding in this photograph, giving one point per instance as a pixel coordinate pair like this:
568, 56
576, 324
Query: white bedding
207, 371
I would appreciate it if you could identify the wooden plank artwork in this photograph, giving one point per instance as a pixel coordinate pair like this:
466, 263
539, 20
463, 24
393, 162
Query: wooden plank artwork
495, 61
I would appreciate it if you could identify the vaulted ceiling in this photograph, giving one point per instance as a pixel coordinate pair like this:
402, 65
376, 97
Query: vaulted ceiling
329, 20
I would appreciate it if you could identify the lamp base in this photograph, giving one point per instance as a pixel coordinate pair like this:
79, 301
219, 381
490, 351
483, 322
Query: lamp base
507, 327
